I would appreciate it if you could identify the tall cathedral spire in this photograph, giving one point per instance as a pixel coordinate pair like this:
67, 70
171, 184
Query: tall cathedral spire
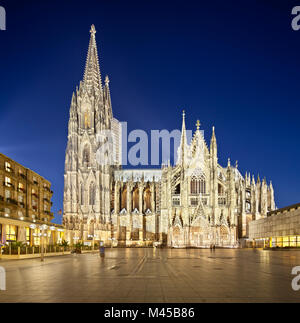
182, 149
183, 138
92, 76
183, 130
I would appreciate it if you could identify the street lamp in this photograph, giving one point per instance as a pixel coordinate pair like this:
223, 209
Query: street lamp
44, 227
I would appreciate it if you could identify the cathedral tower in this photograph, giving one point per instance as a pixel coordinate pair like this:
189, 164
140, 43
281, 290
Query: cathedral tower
87, 179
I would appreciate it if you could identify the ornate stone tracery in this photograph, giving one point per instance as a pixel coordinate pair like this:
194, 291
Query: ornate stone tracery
196, 202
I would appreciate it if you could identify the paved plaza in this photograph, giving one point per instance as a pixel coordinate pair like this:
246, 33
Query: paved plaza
148, 275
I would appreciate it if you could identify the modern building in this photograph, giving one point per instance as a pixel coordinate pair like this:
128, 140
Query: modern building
195, 203
25, 206
281, 228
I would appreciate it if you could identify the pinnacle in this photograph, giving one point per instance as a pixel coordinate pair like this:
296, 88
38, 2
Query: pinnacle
93, 30
92, 75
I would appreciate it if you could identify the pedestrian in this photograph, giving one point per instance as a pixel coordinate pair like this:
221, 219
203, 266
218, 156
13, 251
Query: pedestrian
102, 249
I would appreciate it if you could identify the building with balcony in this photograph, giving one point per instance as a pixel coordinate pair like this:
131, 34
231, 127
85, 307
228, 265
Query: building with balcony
25, 206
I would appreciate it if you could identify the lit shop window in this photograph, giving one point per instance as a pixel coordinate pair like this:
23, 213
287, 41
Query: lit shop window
27, 234
293, 241
11, 233
36, 237
60, 235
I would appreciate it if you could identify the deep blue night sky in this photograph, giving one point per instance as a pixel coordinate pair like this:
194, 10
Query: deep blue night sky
232, 64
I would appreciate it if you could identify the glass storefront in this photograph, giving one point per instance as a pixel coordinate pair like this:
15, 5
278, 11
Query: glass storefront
36, 237
287, 241
27, 235
11, 233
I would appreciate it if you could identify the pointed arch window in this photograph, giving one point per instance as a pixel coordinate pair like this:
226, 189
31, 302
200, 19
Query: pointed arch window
86, 156
147, 199
198, 186
92, 194
221, 190
87, 120
82, 194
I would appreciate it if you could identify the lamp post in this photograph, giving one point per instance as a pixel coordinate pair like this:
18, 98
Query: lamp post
44, 227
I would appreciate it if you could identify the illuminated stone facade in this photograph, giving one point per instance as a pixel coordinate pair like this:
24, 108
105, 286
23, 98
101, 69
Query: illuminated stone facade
195, 203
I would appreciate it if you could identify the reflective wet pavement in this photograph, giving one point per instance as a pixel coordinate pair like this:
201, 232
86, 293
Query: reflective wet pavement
162, 275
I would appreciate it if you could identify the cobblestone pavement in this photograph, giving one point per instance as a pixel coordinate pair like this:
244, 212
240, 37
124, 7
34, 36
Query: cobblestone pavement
148, 275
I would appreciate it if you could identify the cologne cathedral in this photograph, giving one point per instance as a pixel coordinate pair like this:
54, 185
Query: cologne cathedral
195, 203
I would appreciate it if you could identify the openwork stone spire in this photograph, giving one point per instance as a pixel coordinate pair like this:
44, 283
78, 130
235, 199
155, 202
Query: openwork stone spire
183, 142
183, 131
92, 76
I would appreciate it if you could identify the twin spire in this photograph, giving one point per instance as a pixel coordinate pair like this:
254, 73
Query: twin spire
92, 75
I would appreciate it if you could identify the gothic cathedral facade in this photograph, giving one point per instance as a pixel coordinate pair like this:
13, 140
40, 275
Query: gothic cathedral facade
196, 203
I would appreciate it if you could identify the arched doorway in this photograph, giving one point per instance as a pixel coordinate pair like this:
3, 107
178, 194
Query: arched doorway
177, 237
201, 233
224, 236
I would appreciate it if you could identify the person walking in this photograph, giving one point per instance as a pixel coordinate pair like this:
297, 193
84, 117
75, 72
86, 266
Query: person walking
102, 249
